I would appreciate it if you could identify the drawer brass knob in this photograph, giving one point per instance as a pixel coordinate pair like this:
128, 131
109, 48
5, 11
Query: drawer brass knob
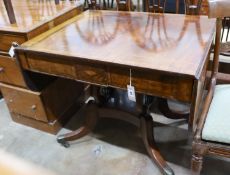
33, 107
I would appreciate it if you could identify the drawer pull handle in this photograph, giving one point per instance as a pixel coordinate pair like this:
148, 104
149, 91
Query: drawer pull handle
1, 69
33, 107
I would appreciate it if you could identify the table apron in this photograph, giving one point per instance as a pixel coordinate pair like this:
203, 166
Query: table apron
145, 81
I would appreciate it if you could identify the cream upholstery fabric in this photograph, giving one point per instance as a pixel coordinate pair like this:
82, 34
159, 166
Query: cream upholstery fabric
217, 124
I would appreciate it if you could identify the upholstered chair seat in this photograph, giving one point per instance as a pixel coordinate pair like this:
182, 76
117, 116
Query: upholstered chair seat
217, 124
212, 135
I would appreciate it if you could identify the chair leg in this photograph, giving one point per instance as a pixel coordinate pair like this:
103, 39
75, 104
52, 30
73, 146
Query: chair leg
10, 11
196, 164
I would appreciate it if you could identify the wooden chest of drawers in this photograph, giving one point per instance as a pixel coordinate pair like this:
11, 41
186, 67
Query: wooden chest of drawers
35, 100
10, 72
45, 107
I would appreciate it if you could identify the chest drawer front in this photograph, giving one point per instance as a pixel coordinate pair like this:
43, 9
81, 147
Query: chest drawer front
10, 72
24, 102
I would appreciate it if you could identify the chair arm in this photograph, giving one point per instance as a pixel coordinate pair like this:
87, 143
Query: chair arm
205, 109
221, 78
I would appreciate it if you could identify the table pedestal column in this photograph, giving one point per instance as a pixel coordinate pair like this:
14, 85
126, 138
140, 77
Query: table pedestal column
143, 121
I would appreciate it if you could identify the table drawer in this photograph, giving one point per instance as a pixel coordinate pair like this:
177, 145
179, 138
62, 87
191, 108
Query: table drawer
10, 72
47, 66
7, 39
24, 102
92, 73
87, 72
153, 83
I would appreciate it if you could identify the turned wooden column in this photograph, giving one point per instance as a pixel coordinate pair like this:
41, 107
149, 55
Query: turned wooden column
10, 11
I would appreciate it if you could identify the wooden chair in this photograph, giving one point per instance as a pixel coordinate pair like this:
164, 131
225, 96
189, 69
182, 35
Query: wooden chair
155, 6
158, 6
212, 134
225, 37
193, 8
10, 11
97, 4
125, 5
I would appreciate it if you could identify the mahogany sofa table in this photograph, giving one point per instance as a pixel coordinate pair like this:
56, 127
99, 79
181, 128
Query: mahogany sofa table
166, 54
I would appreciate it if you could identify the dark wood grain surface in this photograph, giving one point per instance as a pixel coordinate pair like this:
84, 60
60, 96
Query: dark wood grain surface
165, 42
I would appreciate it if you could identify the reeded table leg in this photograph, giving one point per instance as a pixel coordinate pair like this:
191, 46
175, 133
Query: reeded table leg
91, 120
